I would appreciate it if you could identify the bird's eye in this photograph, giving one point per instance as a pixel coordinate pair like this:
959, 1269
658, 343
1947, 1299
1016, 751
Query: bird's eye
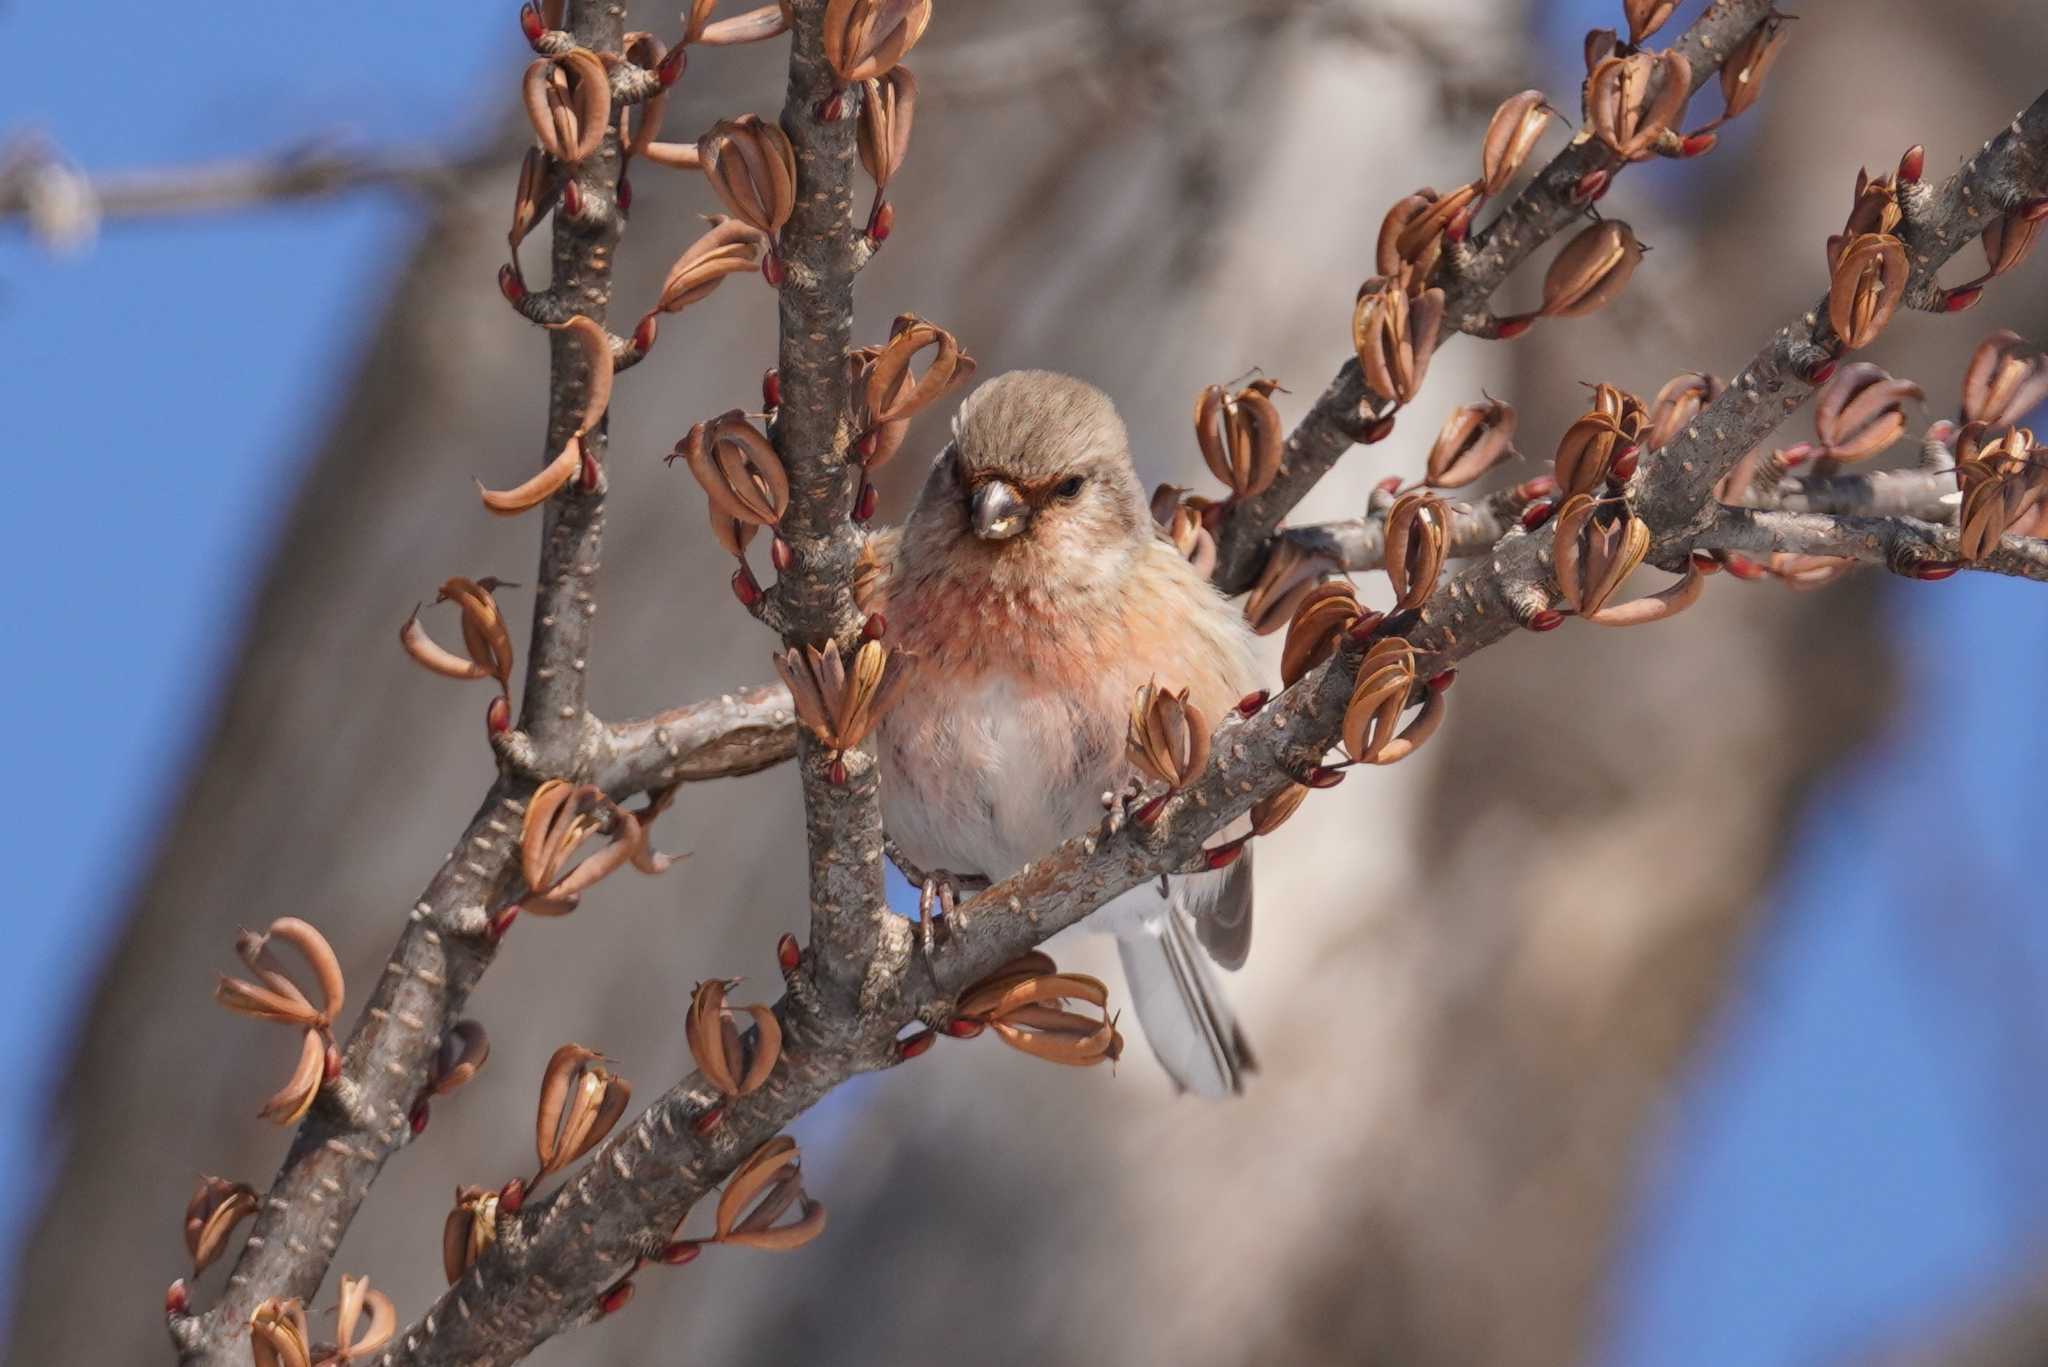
1069, 486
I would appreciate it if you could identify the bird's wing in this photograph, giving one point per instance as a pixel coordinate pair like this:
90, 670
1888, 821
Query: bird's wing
1221, 905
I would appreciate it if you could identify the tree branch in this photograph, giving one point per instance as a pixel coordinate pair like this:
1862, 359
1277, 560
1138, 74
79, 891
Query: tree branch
1360, 543
1897, 543
1469, 275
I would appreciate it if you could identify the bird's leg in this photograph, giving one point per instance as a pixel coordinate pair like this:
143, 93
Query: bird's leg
936, 908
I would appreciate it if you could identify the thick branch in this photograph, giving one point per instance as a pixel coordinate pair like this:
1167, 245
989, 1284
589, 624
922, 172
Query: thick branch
1897, 543
739, 733
1360, 543
1469, 276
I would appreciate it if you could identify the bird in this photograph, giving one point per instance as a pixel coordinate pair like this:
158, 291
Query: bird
1035, 595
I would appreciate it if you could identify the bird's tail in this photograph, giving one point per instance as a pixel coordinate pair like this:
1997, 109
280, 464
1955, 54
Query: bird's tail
1183, 1014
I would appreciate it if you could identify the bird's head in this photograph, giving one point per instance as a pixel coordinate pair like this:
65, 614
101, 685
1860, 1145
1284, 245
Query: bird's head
1035, 486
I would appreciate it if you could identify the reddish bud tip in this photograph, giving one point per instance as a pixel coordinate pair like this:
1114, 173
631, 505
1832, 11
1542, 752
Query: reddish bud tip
1697, 144
1440, 682
772, 269
1510, 328
704, 1122
837, 773
1323, 776
1955, 301
1250, 703
875, 628
502, 922
417, 1118
1934, 571
1705, 563
671, 68
1388, 486
1543, 486
644, 334
781, 555
498, 716
1537, 513
1224, 855
1624, 467
1461, 222
680, 1252
1591, 186
1547, 620
771, 388
864, 506
865, 448
531, 24
1367, 626
330, 1067
745, 587
2033, 211
177, 1300
1819, 374
509, 283
587, 472
1913, 164
1379, 431
624, 195
915, 1045
882, 222
788, 953
615, 1299
1743, 568
512, 1196
831, 108
1149, 812
964, 1027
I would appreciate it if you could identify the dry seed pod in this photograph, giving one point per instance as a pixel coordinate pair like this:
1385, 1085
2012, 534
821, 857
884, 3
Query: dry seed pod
1185, 530
751, 165
1418, 241
640, 124
1804, 572
288, 1104
356, 1296
1861, 411
1289, 574
1587, 452
728, 247
1418, 543
471, 1227
1388, 258
2006, 243
891, 394
279, 1335
580, 1101
1386, 678
1866, 287
216, 1207
1645, 17
538, 187
2001, 487
888, 104
2005, 381
276, 997
716, 1045
865, 38
1510, 136
1677, 404
1742, 75
1473, 440
1593, 559
484, 633
559, 817
464, 1051
1241, 436
1269, 814
738, 469
554, 477
1026, 1000
840, 706
568, 101
1168, 737
1328, 611
1591, 270
754, 26
1395, 336
1621, 108
762, 1190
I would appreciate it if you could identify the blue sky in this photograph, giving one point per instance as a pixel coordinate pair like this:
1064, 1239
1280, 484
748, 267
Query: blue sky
1842, 1159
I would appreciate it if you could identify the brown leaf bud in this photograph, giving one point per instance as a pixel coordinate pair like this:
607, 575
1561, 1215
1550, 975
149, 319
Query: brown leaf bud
1645, 17
1395, 336
729, 247
1868, 282
1742, 75
464, 1051
1510, 136
841, 705
1593, 556
1241, 436
1289, 574
1168, 737
2005, 381
1677, 404
1329, 610
1633, 103
888, 103
1269, 814
752, 167
1473, 440
1418, 543
471, 1227
580, 1101
356, 1296
279, 1335
715, 1042
1591, 270
892, 395
865, 38
1861, 411
568, 101
216, 1207
738, 469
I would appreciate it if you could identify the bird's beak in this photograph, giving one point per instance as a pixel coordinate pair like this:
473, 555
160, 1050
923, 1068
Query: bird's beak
999, 513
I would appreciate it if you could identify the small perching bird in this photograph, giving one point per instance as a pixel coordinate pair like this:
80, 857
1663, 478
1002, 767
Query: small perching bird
1038, 595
